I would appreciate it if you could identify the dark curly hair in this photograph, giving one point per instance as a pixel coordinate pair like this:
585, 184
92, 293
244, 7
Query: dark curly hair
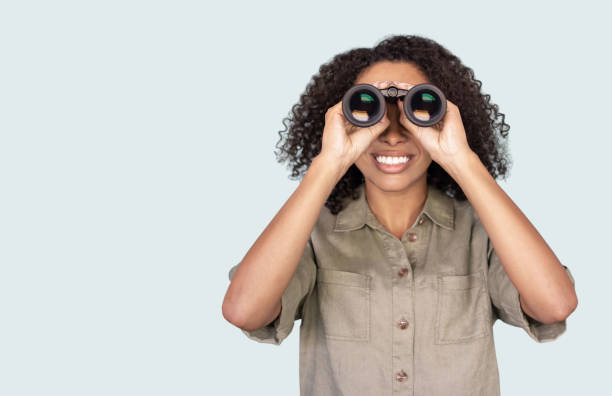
300, 141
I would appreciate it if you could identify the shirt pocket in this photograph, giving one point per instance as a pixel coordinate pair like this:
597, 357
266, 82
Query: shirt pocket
344, 302
461, 308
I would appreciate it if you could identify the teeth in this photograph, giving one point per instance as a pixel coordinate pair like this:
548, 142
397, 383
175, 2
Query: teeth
392, 160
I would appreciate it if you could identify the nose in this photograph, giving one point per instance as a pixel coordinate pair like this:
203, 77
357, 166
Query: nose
393, 135
395, 132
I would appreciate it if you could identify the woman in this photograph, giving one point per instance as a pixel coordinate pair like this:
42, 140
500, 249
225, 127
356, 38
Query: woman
398, 250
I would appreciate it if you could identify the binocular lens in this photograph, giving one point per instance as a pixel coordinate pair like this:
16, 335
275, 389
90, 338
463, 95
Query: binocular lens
425, 105
364, 106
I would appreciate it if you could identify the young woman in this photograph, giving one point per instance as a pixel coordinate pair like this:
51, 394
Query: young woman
398, 272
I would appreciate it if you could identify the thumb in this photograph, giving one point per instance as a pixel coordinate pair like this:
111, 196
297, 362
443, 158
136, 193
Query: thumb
409, 125
363, 137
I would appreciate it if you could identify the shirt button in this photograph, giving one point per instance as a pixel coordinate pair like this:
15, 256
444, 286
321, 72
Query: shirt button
401, 375
403, 323
402, 272
421, 220
412, 237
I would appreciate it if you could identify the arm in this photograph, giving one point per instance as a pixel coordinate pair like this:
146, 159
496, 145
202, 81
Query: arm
253, 298
545, 290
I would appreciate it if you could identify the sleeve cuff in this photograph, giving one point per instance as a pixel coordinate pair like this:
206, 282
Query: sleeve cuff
279, 329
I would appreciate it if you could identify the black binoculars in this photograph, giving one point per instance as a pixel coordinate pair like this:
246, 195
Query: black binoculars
364, 105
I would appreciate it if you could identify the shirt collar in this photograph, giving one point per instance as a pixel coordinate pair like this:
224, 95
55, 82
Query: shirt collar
438, 207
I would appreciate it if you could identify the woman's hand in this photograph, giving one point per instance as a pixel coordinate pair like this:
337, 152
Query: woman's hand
446, 141
342, 142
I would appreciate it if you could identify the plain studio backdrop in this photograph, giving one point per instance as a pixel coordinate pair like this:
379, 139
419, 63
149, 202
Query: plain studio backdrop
137, 166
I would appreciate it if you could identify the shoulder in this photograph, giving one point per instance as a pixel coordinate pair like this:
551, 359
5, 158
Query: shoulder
464, 212
466, 217
468, 223
326, 222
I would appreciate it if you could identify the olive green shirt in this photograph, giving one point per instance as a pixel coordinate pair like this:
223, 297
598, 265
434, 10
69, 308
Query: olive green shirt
384, 316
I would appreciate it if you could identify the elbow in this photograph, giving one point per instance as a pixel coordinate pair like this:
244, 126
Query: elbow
244, 319
231, 311
564, 310
565, 303
232, 308
557, 311
236, 316
570, 306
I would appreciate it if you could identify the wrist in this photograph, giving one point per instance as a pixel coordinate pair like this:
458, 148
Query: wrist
328, 166
456, 166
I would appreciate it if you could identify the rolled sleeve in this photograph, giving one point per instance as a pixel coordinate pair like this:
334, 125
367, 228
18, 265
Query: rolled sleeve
505, 299
292, 301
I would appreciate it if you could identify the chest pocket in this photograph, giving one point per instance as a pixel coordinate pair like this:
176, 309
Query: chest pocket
461, 308
344, 303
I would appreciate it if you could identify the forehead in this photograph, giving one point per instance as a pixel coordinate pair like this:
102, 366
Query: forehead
392, 71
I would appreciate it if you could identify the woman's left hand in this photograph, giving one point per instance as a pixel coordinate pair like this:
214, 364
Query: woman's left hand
446, 141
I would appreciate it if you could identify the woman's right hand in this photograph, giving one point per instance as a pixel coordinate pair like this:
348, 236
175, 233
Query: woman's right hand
342, 142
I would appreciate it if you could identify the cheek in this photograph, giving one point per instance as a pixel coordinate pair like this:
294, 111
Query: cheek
364, 162
426, 157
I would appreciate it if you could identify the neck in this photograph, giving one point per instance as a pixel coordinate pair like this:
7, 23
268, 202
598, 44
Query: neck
397, 210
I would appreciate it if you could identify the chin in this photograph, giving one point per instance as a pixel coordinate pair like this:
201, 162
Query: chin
390, 183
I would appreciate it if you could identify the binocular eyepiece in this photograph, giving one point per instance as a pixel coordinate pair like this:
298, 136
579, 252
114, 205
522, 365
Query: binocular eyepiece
364, 105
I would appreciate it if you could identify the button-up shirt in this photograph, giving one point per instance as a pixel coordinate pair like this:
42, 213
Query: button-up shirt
410, 316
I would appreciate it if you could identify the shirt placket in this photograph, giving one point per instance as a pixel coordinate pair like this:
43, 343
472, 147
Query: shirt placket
403, 310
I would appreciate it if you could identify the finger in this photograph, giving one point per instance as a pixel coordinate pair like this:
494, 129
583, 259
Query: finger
362, 137
409, 125
403, 85
335, 114
453, 109
381, 84
334, 109
388, 83
452, 115
420, 130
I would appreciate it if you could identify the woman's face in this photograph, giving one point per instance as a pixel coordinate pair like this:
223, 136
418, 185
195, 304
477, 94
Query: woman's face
395, 140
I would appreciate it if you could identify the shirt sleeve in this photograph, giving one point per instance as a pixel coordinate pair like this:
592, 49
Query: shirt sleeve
292, 301
505, 299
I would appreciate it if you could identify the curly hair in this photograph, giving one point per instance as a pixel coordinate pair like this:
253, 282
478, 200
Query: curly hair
300, 141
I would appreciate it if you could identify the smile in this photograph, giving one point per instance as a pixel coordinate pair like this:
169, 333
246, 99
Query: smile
392, 164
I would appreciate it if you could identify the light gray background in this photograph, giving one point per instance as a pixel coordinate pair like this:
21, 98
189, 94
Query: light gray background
132, 178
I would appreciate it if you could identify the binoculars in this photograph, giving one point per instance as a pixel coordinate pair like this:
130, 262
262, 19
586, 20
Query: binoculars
364, 105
